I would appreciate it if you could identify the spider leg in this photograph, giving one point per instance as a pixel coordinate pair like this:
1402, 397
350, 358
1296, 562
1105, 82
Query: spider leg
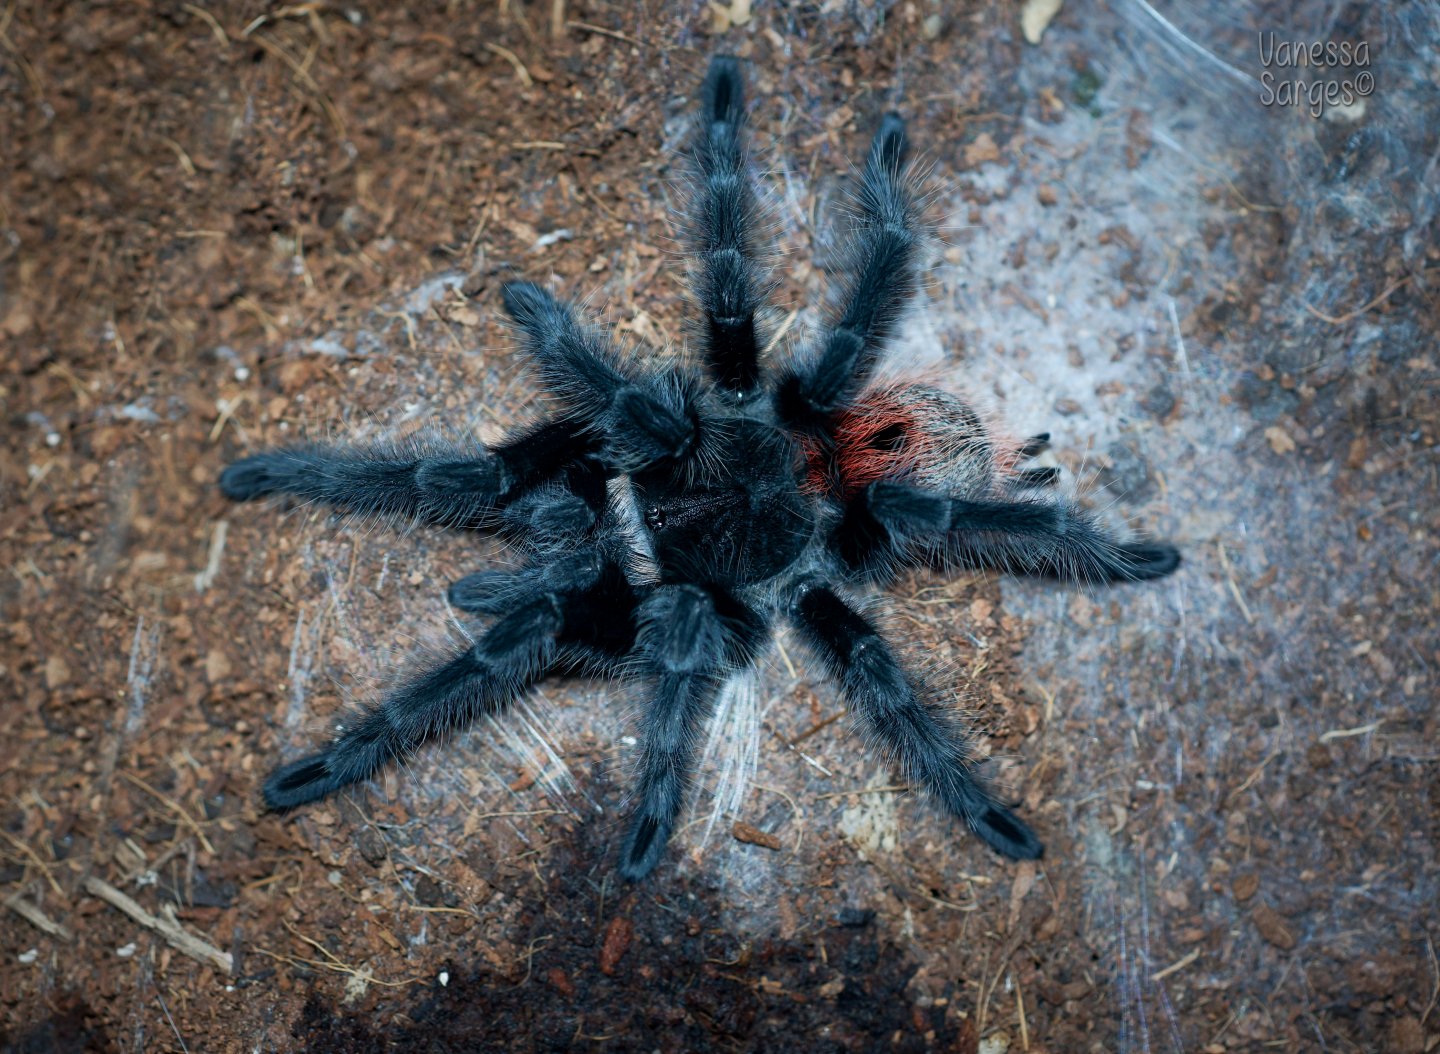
886, 248
931, 751
727, 285
519, 649
559, 512
447, 484
687, 635
890, 523
645, 419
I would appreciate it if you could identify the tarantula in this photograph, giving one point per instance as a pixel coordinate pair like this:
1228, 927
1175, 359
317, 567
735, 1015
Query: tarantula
674, 515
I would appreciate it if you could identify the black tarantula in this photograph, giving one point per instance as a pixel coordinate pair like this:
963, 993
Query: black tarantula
674, 516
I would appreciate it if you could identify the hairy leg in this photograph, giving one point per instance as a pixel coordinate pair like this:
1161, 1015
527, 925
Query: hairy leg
930, 749
727, 285
519, 649
449, 484
645, 420
886, 247
687, 636
891, 524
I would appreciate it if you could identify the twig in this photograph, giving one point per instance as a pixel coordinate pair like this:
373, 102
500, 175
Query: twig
521, 812
303, 76
32, 914
982, 1002
337, 968
161, 1000
784, 328
35, 857
1250, 779
1251, 205
530, 957
1340, 320
1434, 992
319, 947
514, 60
818, 726
1346, 733
898, 788
1020, 1011
28, 70
175, 849
588, 28
1234, 589
176, 807
785, 658
207, 17
1176, 966
167, 925
794, 808
184, 158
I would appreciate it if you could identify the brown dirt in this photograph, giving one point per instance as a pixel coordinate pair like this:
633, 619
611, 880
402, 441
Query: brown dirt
202, 201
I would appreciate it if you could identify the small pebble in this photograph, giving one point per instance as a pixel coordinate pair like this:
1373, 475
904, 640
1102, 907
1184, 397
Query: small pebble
444, 978
29, 957
127, 951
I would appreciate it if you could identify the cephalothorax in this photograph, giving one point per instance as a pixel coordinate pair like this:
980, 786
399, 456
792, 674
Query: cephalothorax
748, 494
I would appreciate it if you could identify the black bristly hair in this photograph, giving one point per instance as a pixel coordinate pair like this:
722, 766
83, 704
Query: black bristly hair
761, 495
728, 282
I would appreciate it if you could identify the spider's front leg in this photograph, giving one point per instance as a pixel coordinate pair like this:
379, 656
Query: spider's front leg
931, 751
448, 484
540, 618
689, 636
644, 419
886, 247
889, 525
727, 283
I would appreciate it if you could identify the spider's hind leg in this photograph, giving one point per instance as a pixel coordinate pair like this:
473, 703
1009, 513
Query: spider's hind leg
931, 751
447, 698
689, 635
542, 619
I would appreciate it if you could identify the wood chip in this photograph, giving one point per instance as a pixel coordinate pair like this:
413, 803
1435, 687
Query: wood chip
167, 925
37, 918
1245, 886
1272, 926
617, 940
743, 832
